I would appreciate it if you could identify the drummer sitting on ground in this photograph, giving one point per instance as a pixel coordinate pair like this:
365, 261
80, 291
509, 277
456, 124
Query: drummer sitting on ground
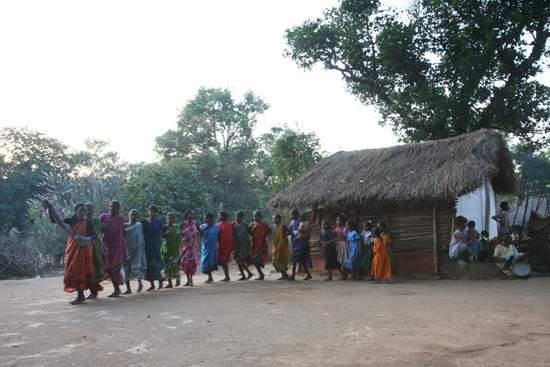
506, 254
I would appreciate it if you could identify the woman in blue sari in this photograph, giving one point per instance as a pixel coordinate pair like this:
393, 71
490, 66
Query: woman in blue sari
209, 253
152, 227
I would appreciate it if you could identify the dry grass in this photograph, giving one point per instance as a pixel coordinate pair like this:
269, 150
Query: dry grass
423, 173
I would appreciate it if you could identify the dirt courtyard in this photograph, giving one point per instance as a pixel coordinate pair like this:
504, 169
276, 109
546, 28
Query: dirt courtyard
279, 323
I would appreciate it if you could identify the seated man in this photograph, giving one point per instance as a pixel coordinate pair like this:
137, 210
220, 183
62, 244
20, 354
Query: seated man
506, 254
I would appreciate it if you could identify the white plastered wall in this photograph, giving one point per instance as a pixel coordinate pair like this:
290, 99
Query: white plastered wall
479, 206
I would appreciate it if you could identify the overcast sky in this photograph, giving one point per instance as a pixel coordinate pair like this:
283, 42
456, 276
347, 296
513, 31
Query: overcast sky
121, 70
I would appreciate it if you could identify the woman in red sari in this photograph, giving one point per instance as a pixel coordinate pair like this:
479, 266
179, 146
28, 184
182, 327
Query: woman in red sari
79, 270
259, 231
114, 247
226, 245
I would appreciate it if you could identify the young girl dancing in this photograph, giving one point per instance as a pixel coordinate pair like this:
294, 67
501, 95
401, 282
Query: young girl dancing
381, 268
366, 260
385, 235
328, 241
355, 250
343, 246
300, 251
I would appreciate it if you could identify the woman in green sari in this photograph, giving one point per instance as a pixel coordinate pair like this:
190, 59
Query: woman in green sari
97, 255
170, 250
243, 245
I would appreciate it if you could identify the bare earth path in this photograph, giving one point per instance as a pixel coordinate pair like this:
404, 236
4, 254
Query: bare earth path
270, 323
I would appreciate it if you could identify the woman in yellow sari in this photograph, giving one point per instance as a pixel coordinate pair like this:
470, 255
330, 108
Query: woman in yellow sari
281, 253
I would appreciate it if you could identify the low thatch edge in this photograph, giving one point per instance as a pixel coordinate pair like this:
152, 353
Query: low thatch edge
418, 173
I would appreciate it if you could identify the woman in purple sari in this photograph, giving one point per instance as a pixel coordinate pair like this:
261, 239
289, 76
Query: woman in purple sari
114, 247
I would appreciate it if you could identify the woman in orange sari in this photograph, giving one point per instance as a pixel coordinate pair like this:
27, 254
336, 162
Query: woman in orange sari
79, 270
259, 230
381, 267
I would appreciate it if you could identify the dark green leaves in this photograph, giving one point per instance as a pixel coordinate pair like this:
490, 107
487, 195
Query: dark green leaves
440, 69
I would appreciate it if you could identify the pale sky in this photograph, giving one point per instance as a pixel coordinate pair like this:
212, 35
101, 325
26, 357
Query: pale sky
121, 70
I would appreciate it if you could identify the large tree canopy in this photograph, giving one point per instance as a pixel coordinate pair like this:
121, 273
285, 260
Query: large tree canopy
293, 154
440, 69
216, 133
174, 186
24, 156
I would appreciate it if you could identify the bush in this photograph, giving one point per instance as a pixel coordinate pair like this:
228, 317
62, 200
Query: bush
18, 259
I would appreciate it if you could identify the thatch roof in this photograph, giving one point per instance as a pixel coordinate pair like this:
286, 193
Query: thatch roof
421, 173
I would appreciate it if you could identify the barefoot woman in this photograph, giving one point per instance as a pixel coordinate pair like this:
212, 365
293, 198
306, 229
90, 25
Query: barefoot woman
209, 253
189, 246
243, 247
259, 230
170, 250
226, 245
152, 227
281, 253
79, 271
114, 246
135, 251
97, 255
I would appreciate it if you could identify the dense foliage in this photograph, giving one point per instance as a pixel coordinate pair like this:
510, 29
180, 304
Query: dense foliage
293, 154
533, 171
25, 155
442, 68
174, 186
213, 161
216, 134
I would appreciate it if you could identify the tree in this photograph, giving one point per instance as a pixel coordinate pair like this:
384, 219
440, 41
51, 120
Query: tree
95, 180
293, 154
26, 154
442, 68
216, 133
533, 171
174, 186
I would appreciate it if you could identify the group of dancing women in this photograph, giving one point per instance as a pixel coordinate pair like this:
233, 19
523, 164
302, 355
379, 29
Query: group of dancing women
147, 250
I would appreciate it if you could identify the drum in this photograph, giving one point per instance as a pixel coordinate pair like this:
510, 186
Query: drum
521, 269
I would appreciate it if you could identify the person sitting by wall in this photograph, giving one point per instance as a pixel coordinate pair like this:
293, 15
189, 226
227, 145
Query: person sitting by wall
460, 248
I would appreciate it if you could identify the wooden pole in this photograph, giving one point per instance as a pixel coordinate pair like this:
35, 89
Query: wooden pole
436, 255
488, 199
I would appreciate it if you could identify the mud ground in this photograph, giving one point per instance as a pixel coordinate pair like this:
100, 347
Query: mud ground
274, 323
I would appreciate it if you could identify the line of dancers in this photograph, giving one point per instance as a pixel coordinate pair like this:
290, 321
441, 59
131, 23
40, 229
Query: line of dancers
147, 250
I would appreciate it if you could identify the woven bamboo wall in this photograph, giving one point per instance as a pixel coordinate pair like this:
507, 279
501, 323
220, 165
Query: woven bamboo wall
411, 227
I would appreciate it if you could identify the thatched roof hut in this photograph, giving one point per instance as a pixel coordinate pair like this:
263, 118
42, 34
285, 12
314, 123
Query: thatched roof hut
405, 185
423, 173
